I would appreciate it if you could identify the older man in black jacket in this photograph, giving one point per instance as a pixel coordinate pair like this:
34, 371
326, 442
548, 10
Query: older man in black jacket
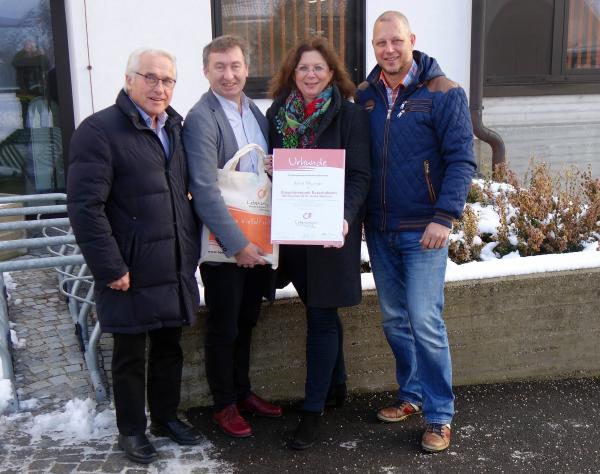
128, 205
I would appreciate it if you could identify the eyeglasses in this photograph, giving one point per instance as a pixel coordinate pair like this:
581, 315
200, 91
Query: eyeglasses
317, 70
153, 81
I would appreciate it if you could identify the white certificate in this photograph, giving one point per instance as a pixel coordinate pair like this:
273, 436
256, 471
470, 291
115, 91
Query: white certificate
308, 196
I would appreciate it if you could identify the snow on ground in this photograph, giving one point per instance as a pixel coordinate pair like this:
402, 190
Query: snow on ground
79, 423
492, 267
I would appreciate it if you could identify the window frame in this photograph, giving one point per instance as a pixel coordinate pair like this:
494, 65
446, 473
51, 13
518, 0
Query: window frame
560, 81
256, 87
58, 17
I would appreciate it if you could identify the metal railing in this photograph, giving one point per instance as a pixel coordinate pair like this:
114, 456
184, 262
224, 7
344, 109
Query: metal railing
74, 280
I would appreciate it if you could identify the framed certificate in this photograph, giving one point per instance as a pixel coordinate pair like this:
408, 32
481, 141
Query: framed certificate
308, 196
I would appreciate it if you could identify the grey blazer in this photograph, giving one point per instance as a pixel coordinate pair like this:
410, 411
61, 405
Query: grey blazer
209, 143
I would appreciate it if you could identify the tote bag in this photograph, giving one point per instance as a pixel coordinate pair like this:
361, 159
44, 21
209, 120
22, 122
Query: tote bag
247, 196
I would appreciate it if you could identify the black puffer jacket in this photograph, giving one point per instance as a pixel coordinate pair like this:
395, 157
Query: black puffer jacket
331, 275
129, 210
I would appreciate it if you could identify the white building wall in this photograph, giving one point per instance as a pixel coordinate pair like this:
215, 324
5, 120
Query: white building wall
115, 28
442, 28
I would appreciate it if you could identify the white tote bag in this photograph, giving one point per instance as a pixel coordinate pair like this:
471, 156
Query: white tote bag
247, 196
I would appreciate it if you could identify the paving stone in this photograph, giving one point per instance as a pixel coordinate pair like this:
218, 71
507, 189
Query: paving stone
65, 457
80, 382
40, 384
37, 349
56, 371
115, 462
60, 468
90, 466
41, 464
73, 368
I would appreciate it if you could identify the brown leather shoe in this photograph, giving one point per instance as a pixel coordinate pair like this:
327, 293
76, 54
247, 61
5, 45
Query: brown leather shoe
398, 411
231, 422
254, 404
436, 438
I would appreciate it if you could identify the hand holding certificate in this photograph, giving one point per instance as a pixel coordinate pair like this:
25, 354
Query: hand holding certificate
308, 196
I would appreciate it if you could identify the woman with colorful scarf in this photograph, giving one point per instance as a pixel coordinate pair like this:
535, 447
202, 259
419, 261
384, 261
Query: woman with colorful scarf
311, 110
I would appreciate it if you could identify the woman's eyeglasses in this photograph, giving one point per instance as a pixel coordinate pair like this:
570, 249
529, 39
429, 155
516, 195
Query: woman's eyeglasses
317, 70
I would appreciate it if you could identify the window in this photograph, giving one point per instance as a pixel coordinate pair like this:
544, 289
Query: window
271, 27
542, 47
35, 96
583, 36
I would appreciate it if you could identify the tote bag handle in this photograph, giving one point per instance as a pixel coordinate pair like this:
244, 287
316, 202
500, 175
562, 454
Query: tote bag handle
231, 165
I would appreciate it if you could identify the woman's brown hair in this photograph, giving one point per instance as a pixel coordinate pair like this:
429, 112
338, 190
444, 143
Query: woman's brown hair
283, 81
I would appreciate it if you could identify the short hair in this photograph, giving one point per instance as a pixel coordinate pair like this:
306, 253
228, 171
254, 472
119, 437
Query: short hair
221, 44
283, 81
394, 15
133, 62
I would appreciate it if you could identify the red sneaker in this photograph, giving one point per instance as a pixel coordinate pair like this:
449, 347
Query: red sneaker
254, 404
231, 422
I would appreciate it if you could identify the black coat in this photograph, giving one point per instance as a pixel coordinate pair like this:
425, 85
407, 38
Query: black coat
130, 212
332, 276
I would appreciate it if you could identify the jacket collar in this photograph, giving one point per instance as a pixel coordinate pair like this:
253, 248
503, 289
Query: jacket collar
215, 106
428, 68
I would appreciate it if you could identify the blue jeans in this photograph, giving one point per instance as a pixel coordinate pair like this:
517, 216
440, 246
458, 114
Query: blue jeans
410, 286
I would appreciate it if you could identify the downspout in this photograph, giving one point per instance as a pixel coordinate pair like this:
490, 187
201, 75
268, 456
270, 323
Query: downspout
476, 88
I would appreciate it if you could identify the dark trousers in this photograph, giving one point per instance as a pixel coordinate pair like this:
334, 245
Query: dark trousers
325, 365
163, 387
233, 296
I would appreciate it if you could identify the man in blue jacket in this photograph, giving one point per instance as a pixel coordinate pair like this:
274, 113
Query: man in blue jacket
422, 164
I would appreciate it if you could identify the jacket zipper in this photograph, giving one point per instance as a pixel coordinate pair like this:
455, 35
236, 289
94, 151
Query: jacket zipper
385, 146
384, 157
178, 257
428, 181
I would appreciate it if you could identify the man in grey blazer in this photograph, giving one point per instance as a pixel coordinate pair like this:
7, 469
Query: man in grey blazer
220, 123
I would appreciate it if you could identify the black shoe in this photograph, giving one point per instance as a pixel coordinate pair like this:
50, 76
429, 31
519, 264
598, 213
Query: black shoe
305, 434
138, 448
336, 396
177, 430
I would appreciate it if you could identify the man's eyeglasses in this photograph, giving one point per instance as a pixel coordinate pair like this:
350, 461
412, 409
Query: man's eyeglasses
318, 70
153, 81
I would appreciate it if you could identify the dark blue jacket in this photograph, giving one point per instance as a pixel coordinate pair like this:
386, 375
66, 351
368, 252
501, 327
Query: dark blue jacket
421, 150
130, 212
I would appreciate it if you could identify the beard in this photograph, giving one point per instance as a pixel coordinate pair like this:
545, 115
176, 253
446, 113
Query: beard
397, 70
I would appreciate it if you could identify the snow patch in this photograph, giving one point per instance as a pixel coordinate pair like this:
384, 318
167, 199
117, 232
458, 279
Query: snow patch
79, 421
5, 391
30, 404
349, 444
16, 342
466, 431
523, 455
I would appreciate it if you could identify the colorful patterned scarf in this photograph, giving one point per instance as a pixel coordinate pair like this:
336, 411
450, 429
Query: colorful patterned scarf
298, 123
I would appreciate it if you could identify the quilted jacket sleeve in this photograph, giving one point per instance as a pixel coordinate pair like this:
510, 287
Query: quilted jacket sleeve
454, 131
